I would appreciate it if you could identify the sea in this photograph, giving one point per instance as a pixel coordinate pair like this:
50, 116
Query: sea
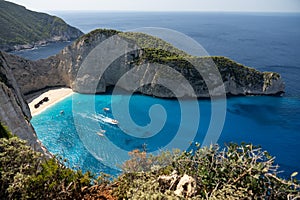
85, 135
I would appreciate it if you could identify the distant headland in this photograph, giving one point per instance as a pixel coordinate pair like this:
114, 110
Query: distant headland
26, 29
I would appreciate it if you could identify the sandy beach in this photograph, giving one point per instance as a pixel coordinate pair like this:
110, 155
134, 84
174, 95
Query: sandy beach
54, 96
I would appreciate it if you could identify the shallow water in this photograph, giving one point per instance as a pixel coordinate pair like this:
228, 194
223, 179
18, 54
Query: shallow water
265, 121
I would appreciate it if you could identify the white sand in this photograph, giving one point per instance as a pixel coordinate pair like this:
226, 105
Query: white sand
54, 95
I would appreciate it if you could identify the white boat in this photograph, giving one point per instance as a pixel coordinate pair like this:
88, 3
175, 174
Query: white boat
106, 119
100, 134
114, 121
106, 109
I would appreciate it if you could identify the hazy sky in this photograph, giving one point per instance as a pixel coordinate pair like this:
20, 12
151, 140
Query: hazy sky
163, 5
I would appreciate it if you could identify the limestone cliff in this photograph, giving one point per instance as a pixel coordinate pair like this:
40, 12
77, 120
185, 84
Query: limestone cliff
14, 111
34, 75
102, 48
62, 69
155, 63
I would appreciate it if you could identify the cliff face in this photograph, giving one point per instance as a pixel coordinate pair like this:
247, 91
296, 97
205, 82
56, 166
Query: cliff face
34, 75
102, 48
14, 111
155, 70
24, 29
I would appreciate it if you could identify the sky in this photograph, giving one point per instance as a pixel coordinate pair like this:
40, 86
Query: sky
163, 5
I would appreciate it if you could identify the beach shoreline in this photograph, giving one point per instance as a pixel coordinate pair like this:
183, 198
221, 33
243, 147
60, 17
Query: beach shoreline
53, 96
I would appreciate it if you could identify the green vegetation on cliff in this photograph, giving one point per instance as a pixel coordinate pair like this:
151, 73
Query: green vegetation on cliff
4, 132
20, 26
26, 174
156, 50
149, 42
236, 172
90, 37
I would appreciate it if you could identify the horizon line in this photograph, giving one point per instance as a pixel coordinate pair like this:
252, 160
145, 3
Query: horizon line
191, 11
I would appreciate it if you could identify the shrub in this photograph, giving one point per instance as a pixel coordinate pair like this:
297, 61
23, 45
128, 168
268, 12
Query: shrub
4, 132
236, 172
26, 174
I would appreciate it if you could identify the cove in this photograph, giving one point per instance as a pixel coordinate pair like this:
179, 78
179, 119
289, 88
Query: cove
271, 122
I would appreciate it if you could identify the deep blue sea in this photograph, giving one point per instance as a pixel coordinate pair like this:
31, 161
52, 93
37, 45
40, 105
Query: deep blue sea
265, 41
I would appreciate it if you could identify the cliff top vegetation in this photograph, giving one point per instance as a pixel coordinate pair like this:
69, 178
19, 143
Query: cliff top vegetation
235, 172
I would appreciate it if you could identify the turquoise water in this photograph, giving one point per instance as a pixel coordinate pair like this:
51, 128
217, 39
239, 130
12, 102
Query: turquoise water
265, 121
266, 41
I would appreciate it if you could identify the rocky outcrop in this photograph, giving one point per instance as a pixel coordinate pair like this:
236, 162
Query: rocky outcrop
103, 58
157, 72
34, 75
101, 54
25, 29
183, 186
14, 111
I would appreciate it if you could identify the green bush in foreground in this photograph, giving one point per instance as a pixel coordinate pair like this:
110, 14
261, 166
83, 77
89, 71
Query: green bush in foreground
236, 172
26, 174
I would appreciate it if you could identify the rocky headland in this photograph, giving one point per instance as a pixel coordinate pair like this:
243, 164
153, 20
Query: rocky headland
26, 29
63, 69
21, 77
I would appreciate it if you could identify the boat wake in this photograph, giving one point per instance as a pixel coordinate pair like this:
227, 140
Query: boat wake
106, 119
100, 118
